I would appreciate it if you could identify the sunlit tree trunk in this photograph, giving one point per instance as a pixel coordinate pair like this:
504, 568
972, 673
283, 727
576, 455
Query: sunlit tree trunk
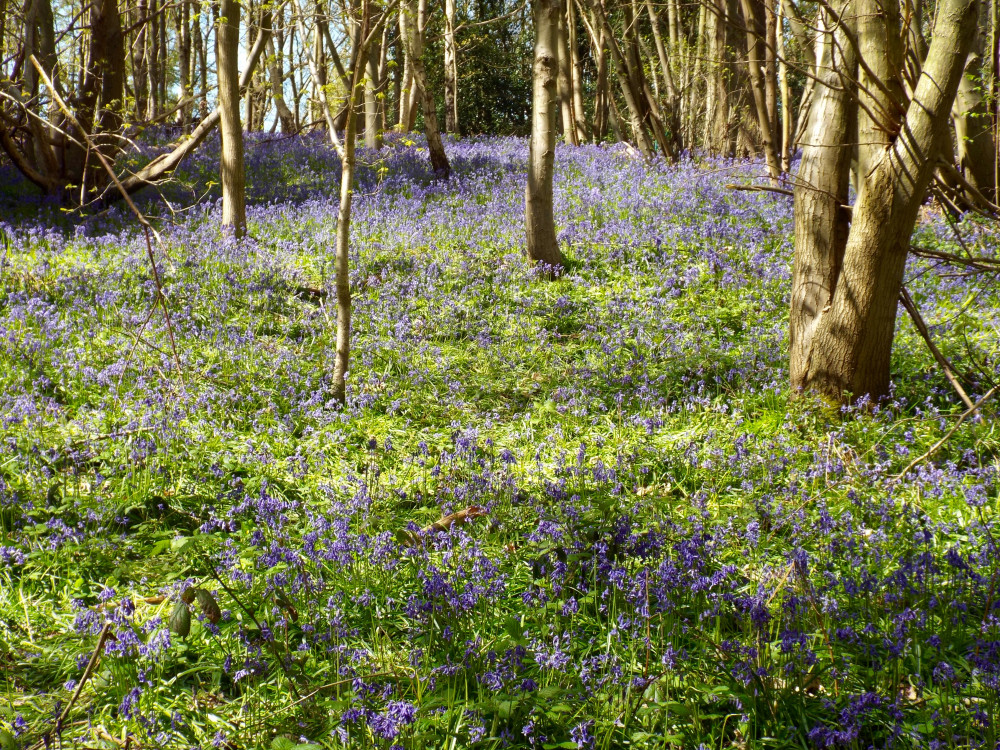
974, 138
276, 74
540, 227
415, 43
450, 69
847, 348
230, 129
565, 84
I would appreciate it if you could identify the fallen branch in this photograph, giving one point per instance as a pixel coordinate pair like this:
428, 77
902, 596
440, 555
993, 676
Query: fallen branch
934, 448
921, 326
91, 665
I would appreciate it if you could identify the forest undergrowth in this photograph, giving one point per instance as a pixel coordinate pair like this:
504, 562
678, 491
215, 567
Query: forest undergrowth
573, 514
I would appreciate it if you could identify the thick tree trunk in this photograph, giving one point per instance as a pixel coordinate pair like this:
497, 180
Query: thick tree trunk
539, 220
231, 163
821, 221
715, 136
851, 344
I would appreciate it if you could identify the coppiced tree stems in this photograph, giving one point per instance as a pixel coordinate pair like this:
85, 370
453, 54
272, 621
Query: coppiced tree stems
845, 344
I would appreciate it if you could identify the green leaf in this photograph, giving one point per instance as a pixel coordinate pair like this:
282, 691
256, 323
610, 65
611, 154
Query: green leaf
180, 619
282, 743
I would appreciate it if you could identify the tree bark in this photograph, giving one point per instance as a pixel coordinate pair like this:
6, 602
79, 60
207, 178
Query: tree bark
231, 131
450, 70
576, 74
821, 221
753, 13
851, 345
415, 42
373, 84
285, 116
973, 127
565, 84
540, 228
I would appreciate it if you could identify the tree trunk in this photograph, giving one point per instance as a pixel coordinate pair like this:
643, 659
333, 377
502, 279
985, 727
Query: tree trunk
539, 221
450, 70
821, 221
285, 115
231, 162
973, 127
632, 97
415, 43
715, 136
753, 13
565, 84
373, 135
851, 344
576, 74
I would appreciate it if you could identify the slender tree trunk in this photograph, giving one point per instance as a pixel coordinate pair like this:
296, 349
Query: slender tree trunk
183, 31
230, 129
285, 115
631, 96
415, 42
140, 74
753, 13
786, 97
565, 84
540, 226
576, 74
450, 70
373, 135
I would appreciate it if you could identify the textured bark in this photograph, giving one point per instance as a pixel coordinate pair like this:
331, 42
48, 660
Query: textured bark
973, 132
821, 224
851, 347
540, 228
415, 43
880, 90
231, 131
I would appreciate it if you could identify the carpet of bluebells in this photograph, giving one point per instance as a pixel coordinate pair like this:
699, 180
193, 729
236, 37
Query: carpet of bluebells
656, 546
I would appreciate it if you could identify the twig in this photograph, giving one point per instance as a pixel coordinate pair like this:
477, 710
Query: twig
933, 449
762, 189
147, 227
911, 308
91, 665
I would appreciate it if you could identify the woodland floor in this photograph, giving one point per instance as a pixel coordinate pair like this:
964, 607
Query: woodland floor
660, 547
